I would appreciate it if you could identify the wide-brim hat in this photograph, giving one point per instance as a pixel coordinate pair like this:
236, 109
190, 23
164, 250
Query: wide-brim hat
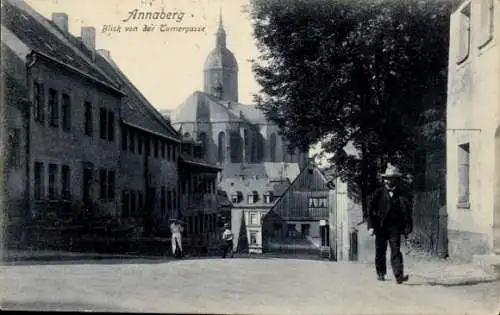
391, 171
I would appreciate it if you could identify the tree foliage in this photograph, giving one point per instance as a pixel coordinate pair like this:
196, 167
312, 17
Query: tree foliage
372, 73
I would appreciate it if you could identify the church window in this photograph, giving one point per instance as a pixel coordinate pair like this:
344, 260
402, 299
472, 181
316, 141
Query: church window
272, 147
236, 147
221, 147
202, 138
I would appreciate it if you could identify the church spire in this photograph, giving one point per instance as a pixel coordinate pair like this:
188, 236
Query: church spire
221, 33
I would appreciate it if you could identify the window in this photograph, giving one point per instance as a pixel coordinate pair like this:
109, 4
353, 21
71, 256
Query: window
163, 149
107, 180
272, 147
253, 197
140, 198
53, 108
169, 152
463, 175
88, 119
486, 24
253, 238
39, 181
131, 142
65, 182
221, 147
66, 112
254, 220
268, 198
103, 183
124, 131
125, 204
463, 20
103, 117
111, 126
155, 144
236, 147
14, 145
111, 185
317, 202
87, 181
163, 199
169, 200
139, 143
133, 205
38, 102
52, 181
305, 229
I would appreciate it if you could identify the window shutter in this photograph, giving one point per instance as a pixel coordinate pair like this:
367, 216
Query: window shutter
41, 108
486, 22
463, 37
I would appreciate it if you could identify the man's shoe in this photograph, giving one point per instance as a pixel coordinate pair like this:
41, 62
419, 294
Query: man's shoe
380, 277
402, 279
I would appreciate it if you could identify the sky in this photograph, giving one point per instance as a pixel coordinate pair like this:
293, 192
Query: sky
165, 66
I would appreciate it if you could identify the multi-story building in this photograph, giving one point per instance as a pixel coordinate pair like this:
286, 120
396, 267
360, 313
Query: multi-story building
473, 130
150, 150
84, 137
72, 128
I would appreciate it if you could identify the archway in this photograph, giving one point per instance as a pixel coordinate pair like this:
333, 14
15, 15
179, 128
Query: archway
496, 195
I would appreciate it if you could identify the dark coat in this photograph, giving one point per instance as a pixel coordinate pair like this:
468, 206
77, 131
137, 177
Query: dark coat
379, 208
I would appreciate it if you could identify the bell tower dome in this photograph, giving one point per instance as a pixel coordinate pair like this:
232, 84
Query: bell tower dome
221, 69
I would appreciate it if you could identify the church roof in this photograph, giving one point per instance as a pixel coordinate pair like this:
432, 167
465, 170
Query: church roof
202, 107
250, 112
219, 58
273, 171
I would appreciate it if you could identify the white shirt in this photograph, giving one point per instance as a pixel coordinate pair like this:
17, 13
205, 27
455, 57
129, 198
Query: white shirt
227, 235
175, 228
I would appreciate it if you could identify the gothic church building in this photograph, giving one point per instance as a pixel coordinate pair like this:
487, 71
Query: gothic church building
229, 133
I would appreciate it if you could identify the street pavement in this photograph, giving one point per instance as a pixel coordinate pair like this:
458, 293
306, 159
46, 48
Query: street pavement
241, 286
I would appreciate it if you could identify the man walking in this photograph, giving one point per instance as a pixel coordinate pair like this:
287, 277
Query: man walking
389, 217
227, 241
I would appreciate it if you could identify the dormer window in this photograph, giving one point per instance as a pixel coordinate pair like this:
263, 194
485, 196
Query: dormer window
268, 197
237, 197
253, 197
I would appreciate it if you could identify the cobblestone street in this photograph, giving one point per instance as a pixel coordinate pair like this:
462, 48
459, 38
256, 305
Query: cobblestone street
260, 286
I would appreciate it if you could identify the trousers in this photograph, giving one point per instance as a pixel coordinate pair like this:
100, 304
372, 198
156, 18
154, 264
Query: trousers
176, 241
383, 237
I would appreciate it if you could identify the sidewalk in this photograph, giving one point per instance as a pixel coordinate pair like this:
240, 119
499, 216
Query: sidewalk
435, 271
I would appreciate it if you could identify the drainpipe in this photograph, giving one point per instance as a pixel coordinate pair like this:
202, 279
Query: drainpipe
32, 59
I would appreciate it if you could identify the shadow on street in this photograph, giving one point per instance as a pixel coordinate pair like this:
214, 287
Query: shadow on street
55, 306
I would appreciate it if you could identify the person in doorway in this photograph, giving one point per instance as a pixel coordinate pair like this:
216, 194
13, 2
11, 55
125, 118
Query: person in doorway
227, 241
389, 216
176, 229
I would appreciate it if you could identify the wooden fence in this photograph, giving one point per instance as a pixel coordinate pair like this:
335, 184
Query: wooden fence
429, 224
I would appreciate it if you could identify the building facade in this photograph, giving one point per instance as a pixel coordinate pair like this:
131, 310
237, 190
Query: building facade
298, 221
473, 130
84, 139
74, 105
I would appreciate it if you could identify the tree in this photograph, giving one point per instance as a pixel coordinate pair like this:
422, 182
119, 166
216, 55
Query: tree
359, 72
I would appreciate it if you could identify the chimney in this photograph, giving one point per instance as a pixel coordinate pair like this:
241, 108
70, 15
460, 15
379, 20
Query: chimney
88, 39
105, 53
60, 19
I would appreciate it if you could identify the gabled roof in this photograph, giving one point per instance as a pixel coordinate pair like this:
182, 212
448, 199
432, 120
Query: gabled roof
45, 39
136, 109
311, 182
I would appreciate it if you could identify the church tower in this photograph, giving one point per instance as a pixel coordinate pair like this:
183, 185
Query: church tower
221, 69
